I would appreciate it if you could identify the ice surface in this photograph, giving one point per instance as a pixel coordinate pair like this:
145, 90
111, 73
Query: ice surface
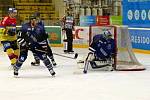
35, 82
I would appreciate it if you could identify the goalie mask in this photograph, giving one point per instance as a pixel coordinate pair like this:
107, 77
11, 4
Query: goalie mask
107, 34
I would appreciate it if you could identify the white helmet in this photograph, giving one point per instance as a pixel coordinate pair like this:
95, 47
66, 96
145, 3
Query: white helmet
107, 34
12, 10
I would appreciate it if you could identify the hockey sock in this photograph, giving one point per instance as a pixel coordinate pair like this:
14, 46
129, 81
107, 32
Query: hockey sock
16, 52
49, 66
47, 63
11, 55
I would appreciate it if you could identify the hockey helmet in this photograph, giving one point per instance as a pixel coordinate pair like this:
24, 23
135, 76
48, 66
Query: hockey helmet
107, 34
37, 14
32, 17
12, 10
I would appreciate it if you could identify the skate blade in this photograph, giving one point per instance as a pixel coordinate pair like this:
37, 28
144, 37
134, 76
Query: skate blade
53, 76
16, 76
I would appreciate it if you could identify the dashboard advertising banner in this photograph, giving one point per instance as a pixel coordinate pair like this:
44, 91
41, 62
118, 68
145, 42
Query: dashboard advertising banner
81, 35
54, 34
102, 20
87, 20
136, 13
115, 20
140, 38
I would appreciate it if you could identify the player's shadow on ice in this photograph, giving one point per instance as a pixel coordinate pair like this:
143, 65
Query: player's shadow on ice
35, 77
147, 67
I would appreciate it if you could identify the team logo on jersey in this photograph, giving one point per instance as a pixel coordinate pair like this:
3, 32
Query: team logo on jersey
29, 29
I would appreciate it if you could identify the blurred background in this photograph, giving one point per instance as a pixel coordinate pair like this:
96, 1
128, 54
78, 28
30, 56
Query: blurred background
52, 10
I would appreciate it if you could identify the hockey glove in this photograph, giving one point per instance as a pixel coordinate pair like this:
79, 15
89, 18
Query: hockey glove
11, 31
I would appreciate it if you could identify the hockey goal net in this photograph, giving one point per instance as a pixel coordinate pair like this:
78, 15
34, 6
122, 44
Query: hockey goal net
125, 59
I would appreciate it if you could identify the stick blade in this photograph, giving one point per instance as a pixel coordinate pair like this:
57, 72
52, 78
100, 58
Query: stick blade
76, 56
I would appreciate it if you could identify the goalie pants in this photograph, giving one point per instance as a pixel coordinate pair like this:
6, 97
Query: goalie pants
23, 56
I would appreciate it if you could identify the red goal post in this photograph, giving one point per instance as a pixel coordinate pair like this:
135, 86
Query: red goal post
125, 59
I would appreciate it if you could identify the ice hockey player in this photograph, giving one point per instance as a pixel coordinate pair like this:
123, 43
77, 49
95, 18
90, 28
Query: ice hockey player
8, 38
49, 51
67, 27
103, 48
103, 45
32, 36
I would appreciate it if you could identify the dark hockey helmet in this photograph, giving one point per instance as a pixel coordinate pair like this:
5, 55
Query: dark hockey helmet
37, 14
32, 17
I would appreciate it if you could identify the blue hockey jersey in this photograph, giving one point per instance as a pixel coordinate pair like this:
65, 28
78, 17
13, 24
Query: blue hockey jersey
36, 34
102, 47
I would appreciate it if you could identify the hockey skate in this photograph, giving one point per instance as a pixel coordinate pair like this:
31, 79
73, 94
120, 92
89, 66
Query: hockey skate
68, 52
15, 71
35, 63
65, 51
53, 62
12, 65
71, 52
52, 72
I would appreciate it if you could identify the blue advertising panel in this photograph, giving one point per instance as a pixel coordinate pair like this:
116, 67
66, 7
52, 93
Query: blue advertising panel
87, 20
136, 13
140, 38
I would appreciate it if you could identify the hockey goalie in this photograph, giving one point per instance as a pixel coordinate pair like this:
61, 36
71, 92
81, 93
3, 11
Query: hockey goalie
102, 51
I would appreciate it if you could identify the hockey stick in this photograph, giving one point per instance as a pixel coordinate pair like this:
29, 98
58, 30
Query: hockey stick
75, 56
85, 66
